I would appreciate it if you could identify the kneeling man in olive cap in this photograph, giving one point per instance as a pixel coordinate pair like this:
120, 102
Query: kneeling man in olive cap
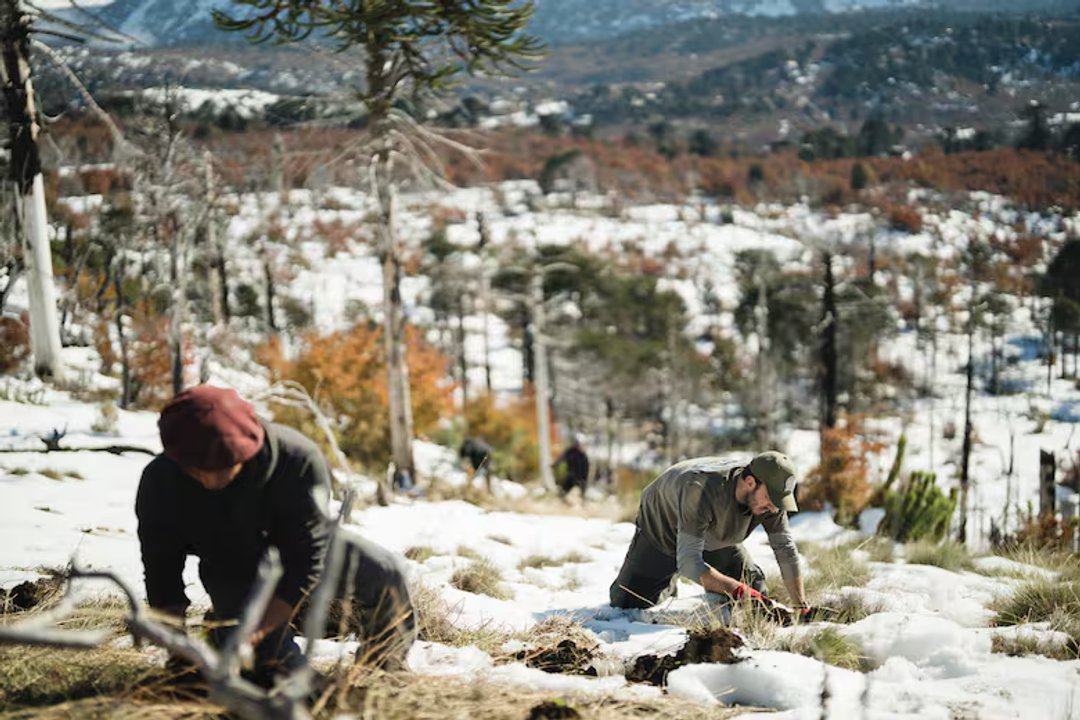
692, 521
228, 485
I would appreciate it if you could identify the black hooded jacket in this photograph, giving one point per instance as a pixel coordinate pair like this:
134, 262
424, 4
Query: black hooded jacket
279, 498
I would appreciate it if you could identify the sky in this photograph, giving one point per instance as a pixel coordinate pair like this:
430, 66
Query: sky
930, 642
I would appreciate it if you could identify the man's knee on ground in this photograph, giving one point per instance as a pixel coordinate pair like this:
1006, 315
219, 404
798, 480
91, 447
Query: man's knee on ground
621, 597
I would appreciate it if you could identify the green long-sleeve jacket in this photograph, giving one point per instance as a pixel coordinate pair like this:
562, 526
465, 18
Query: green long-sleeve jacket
691, 507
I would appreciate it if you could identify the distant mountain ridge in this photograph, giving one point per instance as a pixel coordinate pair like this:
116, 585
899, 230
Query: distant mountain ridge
163, 23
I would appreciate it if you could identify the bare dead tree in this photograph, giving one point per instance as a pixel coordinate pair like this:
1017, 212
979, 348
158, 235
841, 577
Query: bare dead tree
294, 394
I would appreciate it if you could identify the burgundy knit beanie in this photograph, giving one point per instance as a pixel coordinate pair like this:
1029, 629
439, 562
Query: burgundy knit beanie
210, 428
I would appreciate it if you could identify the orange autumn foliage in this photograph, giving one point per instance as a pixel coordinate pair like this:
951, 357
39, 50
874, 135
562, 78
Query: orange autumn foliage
842, 478
151, 358
345, 373
509, 427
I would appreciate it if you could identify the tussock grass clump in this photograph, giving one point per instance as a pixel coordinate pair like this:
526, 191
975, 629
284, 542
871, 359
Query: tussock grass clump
419, 553
500, 539
760, 631
948, 555
851, 608
1054, 602
879, 549
480, 577
829, 646
575, 557
558, 644
834, 568
467, 552
1028, 645
75, 683
435, 622
544, 561
538, 561
1037, 601
1066, 565
554, 629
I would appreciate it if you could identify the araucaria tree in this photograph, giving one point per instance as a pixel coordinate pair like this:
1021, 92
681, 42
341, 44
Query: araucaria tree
410, 49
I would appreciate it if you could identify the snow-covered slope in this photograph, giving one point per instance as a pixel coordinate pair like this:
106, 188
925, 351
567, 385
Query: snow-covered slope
929, 643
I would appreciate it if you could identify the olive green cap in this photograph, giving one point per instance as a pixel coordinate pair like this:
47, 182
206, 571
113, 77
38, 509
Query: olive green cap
776, 470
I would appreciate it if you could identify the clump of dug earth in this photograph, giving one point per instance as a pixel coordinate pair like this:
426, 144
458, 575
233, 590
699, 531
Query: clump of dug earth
715, 645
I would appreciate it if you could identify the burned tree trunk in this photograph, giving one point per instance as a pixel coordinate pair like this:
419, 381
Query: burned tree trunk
29, 187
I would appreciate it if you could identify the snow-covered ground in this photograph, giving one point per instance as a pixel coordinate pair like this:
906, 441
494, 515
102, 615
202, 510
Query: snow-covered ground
931, 644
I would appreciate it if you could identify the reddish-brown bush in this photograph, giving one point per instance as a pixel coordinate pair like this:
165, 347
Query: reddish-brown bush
14, 343
842, 479
345, 372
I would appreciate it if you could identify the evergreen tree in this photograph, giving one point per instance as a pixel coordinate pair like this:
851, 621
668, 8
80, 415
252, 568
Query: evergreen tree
409, 50
1037, 134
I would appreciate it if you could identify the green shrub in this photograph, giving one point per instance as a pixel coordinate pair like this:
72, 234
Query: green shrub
918, 510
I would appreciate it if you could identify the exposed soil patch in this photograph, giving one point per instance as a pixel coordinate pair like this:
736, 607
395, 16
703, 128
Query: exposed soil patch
29, 595
717, 645
552, 710
568, 658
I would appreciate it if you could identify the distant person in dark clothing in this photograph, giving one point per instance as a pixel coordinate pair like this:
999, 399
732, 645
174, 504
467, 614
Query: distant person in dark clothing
227, 486
577, 467
478, 455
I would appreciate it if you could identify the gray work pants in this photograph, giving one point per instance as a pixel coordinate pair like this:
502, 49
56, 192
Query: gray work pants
372, 601
648, 573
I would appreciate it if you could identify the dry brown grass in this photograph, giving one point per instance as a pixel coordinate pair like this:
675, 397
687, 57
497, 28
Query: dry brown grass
419, 553
546, 561
68, 684
435, 622
105, 682
833, 568
404, 696
125, 683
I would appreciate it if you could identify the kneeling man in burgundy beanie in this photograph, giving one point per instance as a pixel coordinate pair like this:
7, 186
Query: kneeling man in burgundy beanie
228, 485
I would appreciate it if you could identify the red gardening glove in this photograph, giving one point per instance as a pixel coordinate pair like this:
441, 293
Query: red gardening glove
742, 590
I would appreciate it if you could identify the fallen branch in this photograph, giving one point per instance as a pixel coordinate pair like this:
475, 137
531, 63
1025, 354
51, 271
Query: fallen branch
113, 449
221, 669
